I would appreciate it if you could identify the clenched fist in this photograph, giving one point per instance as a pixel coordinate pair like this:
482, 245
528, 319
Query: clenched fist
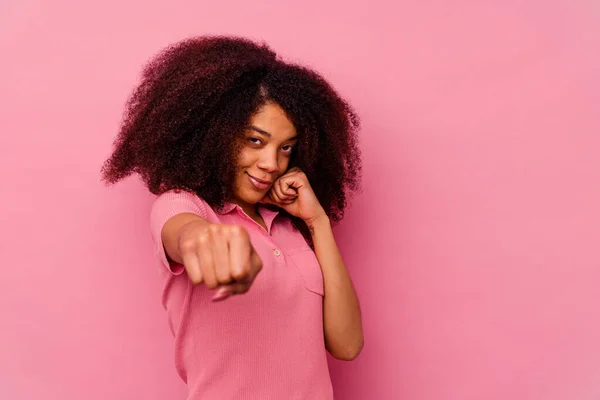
220, 256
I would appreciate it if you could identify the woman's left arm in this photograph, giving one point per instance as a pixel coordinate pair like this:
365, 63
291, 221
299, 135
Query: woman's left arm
341, 310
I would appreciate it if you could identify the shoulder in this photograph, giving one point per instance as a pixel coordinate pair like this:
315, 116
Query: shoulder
173, 202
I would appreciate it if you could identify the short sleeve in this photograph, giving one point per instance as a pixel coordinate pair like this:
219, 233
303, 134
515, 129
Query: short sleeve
166, 206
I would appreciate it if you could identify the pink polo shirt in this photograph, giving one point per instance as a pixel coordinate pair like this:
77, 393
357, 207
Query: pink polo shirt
265, 344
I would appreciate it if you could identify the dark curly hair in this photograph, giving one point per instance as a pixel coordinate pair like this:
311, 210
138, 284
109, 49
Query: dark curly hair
197, 96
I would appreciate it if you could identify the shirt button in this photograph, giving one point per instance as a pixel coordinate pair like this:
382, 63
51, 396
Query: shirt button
277, 252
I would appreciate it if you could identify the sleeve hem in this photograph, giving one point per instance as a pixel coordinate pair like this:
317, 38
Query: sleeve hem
166, 206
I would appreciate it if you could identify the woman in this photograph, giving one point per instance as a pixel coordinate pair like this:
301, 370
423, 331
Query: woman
252, 159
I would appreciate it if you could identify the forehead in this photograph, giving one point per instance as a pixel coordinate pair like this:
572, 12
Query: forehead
272, 119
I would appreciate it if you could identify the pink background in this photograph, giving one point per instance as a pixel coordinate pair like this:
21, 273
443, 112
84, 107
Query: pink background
474, 247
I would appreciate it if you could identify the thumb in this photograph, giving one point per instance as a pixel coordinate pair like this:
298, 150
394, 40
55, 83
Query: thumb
226, 291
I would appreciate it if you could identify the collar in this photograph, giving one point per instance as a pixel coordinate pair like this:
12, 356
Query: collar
227, 208
266, 211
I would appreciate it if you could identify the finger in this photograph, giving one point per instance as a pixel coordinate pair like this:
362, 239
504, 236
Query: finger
278, 188
222, 293
191, 263
273, 198
226, 291
296, 174
294, 183
220, 254
278, 192
206, 261
286, 190
239, 254
279, 198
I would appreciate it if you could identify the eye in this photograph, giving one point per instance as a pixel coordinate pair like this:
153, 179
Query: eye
255, 140
287, 148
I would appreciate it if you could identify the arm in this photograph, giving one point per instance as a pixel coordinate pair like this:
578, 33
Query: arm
172, 230
341, 310
342, 323
220, 256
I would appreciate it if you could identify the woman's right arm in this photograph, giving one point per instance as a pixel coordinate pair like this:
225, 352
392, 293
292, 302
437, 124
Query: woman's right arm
174, 228
214, 254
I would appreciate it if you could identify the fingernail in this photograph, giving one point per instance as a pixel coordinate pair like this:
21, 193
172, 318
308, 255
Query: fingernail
221, 294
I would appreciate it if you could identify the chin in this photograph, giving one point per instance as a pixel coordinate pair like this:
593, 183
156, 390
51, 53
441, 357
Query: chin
252, 197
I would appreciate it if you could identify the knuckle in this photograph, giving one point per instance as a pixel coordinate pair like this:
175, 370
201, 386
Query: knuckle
203, 238
223, 277
187, 245
241, 273
237, 230
211, 283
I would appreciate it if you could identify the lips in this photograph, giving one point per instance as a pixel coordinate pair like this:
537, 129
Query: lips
258, 184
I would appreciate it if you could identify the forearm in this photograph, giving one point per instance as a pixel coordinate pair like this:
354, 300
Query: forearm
341, 310
173, 229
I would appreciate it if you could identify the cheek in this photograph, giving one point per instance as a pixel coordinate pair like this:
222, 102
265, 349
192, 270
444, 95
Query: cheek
244, 159
284, 163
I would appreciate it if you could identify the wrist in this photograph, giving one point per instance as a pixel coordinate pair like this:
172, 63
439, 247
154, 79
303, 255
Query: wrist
318, 220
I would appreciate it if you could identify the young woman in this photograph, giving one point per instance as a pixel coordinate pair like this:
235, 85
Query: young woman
252, 159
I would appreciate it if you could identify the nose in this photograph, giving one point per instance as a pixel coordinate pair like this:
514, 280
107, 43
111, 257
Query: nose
268, 160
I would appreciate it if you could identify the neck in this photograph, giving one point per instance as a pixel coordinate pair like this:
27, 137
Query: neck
250, 209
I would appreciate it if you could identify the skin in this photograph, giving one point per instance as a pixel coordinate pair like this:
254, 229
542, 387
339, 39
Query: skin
222, 257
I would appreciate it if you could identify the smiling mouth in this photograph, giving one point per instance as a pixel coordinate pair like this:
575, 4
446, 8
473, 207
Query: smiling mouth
259, 184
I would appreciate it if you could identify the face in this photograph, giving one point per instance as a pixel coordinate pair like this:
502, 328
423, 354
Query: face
266, 149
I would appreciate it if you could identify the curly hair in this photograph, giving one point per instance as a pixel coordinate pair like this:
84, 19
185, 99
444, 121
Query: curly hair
197, 96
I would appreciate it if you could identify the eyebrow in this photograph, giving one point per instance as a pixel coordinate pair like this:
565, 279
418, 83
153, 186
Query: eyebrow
267, 134
254, 128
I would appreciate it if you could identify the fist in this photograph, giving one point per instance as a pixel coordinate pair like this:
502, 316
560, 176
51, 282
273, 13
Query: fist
220, 256
293, 193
